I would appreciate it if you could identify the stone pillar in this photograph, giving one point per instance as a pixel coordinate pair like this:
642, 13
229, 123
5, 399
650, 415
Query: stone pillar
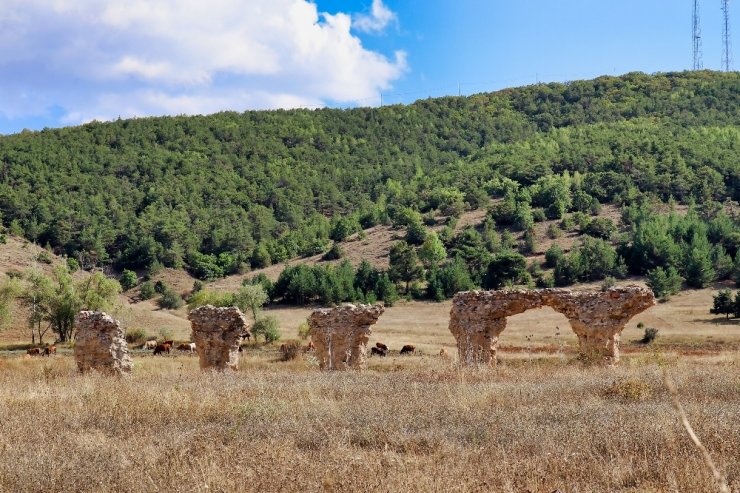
217, 334
598, 318
340, 335
100, 344
477, 342
477, 319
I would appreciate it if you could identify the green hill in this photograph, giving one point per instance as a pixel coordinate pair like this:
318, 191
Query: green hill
216, 193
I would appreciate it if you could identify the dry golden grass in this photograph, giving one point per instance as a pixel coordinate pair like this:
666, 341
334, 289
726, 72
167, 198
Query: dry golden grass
407, 424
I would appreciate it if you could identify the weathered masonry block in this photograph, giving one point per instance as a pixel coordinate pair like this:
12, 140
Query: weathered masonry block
340, 335
217, 333
477, 318
100, 344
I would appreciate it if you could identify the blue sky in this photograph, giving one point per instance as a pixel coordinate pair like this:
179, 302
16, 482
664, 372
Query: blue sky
65, 62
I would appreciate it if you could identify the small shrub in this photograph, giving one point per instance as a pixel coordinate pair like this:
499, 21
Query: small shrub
73, 264
554, 232
44, 257
170, 300
649, 336
128, 279
165, 334
160, 287
608, 283
629, 389
538, 215
567, 223
266, 327
3, 239
546, 281
146, 290
303, 330
553, 255
136, 335
334, 253
198, 286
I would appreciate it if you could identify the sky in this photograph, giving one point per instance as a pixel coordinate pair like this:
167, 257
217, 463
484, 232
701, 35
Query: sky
68, 62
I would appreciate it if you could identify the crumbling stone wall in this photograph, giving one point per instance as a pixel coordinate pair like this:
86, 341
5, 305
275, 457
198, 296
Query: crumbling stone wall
477, 318
217, 334
340, 334
100, 344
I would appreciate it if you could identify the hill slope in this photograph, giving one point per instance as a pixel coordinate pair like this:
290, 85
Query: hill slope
214, 192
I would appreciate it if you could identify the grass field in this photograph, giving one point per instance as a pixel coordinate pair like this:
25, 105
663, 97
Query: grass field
410, 423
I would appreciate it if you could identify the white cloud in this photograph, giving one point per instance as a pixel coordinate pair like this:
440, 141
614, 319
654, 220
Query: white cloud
105, 58
378, 19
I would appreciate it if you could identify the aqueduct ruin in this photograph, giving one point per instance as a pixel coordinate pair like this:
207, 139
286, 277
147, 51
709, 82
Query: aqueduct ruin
217, 333
340, 335
100, 344
477, 318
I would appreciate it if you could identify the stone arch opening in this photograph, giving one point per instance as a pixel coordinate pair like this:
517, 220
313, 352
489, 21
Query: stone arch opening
478, 318
538, 327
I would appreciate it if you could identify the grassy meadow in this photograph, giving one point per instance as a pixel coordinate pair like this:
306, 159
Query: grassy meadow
413, 423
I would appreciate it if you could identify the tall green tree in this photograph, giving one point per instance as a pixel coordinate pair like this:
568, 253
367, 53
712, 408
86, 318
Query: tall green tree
698, 267
404, 264
433, 251
252, 298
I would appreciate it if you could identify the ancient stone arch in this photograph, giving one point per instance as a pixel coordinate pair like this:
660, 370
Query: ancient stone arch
340, 334
477, 318
217, 333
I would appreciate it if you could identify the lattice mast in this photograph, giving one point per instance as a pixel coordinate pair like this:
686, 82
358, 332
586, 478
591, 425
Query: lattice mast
696, 37
726, 56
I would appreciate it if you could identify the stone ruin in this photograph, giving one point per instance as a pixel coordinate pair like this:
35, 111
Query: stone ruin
340, 335
477, 318
100, 344
217, 334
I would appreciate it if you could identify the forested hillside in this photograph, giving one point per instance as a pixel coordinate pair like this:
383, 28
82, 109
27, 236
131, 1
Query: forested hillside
230, 191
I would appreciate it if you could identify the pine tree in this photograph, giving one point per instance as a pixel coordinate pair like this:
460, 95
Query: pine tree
699, 271
404, 264
723, 303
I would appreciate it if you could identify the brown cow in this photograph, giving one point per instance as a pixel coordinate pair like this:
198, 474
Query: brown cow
34, 351
377, 350
162, 348
171, 343
310, 346
408, 348
49, 350
382, 346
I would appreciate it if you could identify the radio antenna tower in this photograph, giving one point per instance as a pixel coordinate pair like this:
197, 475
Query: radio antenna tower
696, 37
726, 35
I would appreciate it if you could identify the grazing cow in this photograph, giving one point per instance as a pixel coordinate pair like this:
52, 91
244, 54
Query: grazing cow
247, 335
377, 350
49, 350
34, 351
382, 346
310, 346
150, 344
444, 354
408, 348
162, 348
171, 343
